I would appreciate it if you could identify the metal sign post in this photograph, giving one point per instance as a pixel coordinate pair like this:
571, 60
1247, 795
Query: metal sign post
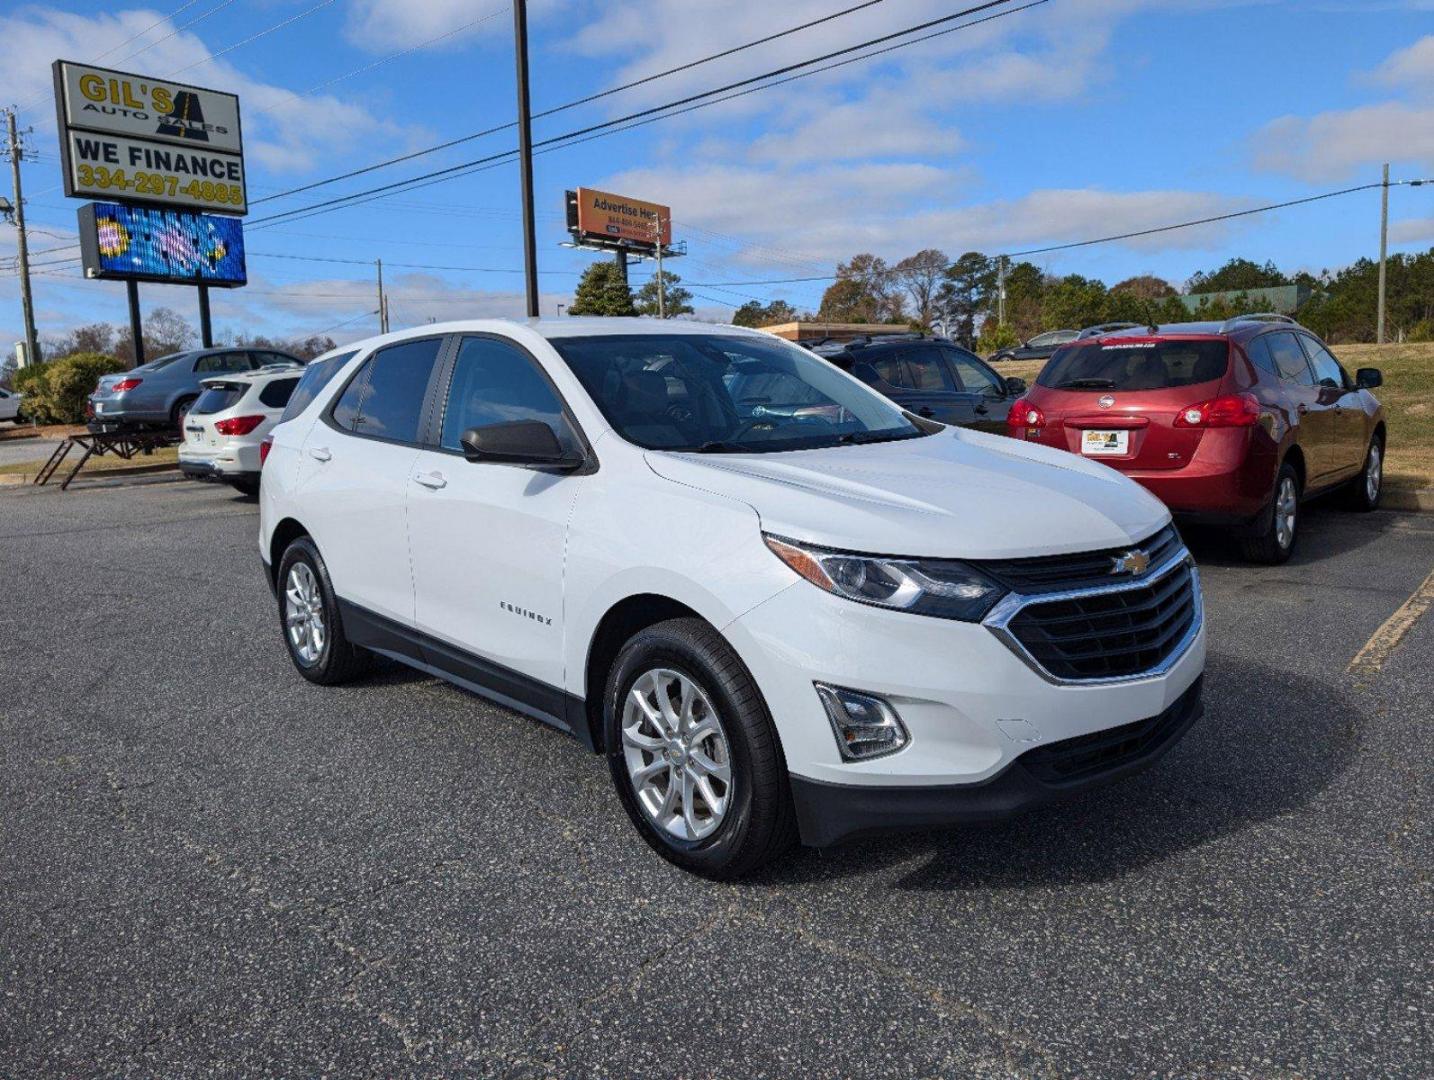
136, 331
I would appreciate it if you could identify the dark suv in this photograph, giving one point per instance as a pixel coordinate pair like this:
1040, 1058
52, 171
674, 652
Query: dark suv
932, 378
1229, 423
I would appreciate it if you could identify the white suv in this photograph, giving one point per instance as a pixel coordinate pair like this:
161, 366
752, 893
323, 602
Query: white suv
227, 424
779, 605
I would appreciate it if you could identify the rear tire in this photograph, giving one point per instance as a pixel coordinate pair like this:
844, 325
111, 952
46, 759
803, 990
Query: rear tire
1365, 489
1280, 522
309, 619
180, 411
679, 679
246, 485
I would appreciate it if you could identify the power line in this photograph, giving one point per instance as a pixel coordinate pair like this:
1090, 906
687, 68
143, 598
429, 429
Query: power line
177, 30
405, 266
452, 171
255, 37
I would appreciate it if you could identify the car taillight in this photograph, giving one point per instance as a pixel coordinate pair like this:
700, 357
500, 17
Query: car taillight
238, 425
264, 448
1024, 414
125, 384
1232, 410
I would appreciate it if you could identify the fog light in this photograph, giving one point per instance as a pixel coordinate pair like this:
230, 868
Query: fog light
866, 727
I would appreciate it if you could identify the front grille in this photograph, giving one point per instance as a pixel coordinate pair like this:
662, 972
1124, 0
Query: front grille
1055, 573
1073, 760
1109, 635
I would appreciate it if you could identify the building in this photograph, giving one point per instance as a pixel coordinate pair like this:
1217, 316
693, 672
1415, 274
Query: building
1280, 299
819, 331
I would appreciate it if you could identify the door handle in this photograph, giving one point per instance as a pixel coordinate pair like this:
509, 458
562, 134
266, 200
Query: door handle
433, 481
926, 411
1304, 408
981, 410
320, 453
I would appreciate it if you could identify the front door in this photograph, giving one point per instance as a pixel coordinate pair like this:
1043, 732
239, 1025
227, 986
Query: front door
990, 400
1310, 407
487, 539
1350, 440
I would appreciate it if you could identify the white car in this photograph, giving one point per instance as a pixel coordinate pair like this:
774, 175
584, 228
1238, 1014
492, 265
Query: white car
10, 405
229, 420
775, 622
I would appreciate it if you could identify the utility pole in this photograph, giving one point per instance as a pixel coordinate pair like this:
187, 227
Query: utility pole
32, 352
382, 301
1000, 290
525, 154
661, 282
1383, 255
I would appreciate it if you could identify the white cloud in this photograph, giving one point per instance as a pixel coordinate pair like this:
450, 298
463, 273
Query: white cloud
1335, 145
383, 25
283, 130
1412, 231
1411, 67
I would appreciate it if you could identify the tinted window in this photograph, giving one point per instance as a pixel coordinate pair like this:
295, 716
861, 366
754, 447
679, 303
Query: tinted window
218, 398
495, 383
1149, 365
927, 370
230, 361
1258, 351
316, 376
890, 370
974, 376
276, 394
1289, 358
263, 358
675, 392
346, 409
1327, 371
397, 382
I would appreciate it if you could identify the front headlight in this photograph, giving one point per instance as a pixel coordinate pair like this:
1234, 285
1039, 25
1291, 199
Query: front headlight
942, 588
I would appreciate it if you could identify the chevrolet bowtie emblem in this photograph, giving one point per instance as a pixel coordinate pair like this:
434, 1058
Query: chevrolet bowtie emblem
1134, 563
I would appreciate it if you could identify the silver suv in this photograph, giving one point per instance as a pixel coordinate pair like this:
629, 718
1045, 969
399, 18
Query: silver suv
159, 393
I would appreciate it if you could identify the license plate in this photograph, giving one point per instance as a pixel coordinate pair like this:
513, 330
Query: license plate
99, 407
1105, 443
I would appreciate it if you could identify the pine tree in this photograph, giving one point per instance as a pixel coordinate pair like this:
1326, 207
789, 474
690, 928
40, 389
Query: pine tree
602, 291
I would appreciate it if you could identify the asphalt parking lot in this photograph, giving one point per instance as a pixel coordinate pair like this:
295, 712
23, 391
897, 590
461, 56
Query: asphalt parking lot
209, 867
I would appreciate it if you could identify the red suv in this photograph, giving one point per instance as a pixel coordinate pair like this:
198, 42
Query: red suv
1229, 423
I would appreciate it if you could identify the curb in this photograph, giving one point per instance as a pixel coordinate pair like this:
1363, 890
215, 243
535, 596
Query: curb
21, 479
1415, 500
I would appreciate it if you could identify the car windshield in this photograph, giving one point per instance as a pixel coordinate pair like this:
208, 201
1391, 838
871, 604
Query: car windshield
723, 393
217, 397
1137, 365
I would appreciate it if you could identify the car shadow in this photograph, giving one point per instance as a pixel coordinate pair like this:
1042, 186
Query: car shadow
1269, 742
1328, 530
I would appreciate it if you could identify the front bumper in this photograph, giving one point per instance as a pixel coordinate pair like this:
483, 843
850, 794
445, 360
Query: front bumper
829, 813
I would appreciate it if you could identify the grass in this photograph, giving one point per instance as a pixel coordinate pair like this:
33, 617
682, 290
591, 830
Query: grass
107, 463
1407, 396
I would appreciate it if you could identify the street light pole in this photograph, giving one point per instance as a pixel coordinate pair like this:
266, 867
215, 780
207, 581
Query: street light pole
1383, 255
525, 155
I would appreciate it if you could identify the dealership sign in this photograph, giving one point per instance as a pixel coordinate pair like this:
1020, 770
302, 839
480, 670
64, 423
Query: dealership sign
168, 246
618, 221
141, 140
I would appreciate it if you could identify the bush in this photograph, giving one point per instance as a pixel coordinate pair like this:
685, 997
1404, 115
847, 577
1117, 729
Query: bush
55, 393
1421, 331
994, 337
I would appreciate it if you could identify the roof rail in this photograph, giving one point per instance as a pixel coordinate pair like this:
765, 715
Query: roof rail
1263, 316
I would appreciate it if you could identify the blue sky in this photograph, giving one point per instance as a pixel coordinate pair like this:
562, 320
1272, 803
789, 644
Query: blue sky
1075, 119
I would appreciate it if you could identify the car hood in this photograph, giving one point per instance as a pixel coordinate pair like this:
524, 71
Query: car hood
955, 494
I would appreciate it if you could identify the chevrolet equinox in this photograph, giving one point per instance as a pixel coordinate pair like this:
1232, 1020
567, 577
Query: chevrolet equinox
775, 624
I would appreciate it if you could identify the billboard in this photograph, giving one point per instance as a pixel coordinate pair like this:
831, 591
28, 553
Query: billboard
134, 243
618, 221
144, 140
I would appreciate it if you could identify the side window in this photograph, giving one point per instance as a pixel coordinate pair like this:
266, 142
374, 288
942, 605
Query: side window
1258, 350
1040, 341
316, 376
265, 358
891, 370
1326, 367
222, 362
1289, 359
392, 406
927, 370
348, 407
975, 377
276, 394
495, 383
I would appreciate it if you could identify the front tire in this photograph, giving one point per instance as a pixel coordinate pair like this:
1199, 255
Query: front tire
1279, 522
309, 617
693, 752
1366, 488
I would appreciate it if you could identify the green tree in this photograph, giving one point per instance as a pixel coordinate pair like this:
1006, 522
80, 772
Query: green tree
1073, 302
602, 291
1145, 287
922, 275
1237, 275
967, 289
676, 301
754, 313
864, 291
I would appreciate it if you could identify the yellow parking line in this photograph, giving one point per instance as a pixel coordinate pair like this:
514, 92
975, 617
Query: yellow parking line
1386, 639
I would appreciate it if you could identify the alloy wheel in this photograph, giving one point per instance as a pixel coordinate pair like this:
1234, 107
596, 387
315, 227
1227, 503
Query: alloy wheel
1286, 509
1374, 472
304, 614
677, 754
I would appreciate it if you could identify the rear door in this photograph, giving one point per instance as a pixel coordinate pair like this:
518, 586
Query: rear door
927, 385
1306, 406
354, 476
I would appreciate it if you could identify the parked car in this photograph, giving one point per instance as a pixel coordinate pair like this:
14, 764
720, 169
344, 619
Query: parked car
932, 378
1039, 347
158, 394
1106, 328
10, 405
229, 421
1232, 423
773, 626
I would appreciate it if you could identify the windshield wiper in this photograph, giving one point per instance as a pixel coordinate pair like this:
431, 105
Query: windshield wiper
857, 438
1087, 384
719, 447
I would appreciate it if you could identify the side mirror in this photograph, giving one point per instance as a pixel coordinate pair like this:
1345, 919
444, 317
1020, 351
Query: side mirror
1015, 386
518, 442
1367, 378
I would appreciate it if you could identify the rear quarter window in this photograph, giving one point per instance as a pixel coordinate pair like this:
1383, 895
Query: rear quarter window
277, 393
316, 376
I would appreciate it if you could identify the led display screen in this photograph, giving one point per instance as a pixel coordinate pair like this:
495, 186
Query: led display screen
126, 242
